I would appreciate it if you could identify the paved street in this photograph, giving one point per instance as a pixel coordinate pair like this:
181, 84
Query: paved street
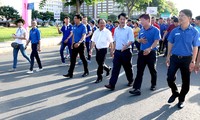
48, 95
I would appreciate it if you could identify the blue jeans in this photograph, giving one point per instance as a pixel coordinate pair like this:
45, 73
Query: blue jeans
15, 55
62, 47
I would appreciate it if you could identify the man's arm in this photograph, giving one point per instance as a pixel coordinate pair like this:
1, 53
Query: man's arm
165, 34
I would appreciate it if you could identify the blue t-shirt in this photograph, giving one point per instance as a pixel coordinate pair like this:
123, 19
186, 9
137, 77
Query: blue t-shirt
89, 29
34, 35
163, 27
66, 30
184, 40
78, 31
150, 35
109, 27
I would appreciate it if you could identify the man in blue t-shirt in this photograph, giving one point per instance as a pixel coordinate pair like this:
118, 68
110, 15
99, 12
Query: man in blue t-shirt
149, 37
163, 28
66, 30
79, 34
183, 44
87, 39
109, 25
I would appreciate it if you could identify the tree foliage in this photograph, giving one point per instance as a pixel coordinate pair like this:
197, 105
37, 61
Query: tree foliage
9, 12
76, 3
132, 4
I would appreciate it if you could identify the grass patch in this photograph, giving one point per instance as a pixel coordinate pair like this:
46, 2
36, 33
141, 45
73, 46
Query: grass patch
46, 32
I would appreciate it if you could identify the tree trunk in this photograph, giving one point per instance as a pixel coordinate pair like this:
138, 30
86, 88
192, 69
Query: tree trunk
78, 6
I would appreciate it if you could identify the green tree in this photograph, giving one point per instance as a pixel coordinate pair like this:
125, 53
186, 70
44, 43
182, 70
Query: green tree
35, 14
46, 16
132, 4
9, 12
112, 17
76, 3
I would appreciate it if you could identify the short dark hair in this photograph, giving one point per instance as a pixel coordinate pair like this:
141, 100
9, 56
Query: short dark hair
146, 16
187, 12
175, 19
79, 16
123, 15
84, 16
66, 17
100, 20
109, 21
116, 22
129, 20
136, 22
197, 17
20, 20
92, 21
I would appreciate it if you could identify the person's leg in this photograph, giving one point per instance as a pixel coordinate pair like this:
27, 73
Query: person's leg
38, 58
62, 47
73, 61
127, 64
141, 64
33, 53
171, 74
70, 49
116, 68
82, 57
23, 52
185, 75
151, 62
100, 58
15, 55
88, 50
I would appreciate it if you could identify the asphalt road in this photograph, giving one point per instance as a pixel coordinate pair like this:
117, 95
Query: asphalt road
48, 95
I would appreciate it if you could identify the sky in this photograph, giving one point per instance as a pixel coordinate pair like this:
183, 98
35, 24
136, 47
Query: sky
193, 5
180, 4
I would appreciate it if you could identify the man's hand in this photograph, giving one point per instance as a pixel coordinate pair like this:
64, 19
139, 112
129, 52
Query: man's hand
66, 40
167, 61
143, 40
90, 52
124, 47
147, 51
163, 39
38, 49
14, 36
192, 66
76, 45
196, 68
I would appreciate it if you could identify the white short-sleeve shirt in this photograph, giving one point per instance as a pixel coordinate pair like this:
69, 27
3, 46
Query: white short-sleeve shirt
20, 33
102, 38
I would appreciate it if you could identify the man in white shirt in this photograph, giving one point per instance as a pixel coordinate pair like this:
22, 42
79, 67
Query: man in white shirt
102, 39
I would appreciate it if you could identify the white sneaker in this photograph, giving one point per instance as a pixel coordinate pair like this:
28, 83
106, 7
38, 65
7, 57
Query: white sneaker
30, 72
12, 70
39, 69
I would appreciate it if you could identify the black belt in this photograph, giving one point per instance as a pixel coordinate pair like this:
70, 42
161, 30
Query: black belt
121, 50
180, 57
101, 49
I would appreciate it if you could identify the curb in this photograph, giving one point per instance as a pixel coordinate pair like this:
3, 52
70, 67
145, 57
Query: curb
45, 42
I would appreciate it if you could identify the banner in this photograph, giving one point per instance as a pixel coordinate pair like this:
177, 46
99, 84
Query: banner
152, 10
25, 13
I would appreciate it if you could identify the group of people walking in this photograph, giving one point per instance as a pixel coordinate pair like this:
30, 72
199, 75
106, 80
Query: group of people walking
181, 39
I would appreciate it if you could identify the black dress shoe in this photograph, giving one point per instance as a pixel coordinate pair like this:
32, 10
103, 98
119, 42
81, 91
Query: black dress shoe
68, 75
135, 92
110, 87
98, 80
172, 98
108, 72
153, 88
180, 104
85, 74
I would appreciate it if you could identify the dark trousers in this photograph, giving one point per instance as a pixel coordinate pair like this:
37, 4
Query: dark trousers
87, 44
161, 46
75, 52
62, 48
100, 58
150, 61
182, 64
121, 59
34, 54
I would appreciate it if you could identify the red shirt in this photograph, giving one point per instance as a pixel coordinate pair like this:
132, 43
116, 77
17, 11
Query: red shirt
113, 30
170, 28
156, 25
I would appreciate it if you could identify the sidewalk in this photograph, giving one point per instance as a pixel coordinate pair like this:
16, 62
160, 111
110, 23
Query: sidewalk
45, 42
